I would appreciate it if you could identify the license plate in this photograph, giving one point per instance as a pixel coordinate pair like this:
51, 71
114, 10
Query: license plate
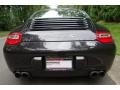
58, 63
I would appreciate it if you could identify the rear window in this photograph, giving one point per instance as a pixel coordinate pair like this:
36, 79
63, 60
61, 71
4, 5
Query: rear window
59, 19
61, 12
59, 24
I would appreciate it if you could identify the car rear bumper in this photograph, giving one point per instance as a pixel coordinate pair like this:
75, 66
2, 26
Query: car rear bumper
95, 60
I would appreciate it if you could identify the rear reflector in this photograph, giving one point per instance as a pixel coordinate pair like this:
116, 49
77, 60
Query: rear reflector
14, 38
37, 58
104, 37
80, 57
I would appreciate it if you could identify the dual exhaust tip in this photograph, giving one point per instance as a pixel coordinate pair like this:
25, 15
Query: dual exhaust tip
94, 74
22, 74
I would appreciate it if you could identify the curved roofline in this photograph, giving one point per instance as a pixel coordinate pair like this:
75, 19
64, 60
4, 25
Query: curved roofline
87, 16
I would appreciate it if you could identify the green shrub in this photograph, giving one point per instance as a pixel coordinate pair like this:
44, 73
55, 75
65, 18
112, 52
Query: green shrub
108, 13
12, 16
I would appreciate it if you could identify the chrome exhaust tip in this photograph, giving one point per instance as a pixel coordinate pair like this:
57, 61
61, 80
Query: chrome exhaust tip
102, 73
25, 74
93, 74
17, 74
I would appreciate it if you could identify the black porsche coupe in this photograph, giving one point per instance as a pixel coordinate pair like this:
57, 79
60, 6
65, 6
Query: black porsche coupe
59, 43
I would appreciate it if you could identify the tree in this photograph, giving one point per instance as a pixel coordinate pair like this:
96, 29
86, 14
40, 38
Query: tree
109, 13
12, 16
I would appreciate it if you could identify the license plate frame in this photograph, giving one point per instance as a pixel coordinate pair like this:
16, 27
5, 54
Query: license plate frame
59, 63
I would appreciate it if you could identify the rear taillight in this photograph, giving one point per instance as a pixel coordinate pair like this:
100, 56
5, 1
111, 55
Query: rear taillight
104, 37
14, 38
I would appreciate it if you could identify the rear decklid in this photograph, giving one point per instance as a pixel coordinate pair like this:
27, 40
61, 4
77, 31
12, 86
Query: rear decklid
59, 34
59, 29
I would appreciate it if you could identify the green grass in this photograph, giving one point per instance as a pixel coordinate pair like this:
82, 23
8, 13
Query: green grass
115, 30
4, 33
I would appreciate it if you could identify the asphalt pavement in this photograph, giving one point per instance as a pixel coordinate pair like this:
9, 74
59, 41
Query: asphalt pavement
7, 77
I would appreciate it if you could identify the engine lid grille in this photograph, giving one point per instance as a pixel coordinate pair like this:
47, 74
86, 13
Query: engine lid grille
59, 24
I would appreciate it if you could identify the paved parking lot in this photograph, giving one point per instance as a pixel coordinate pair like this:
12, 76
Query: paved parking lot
7, 78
